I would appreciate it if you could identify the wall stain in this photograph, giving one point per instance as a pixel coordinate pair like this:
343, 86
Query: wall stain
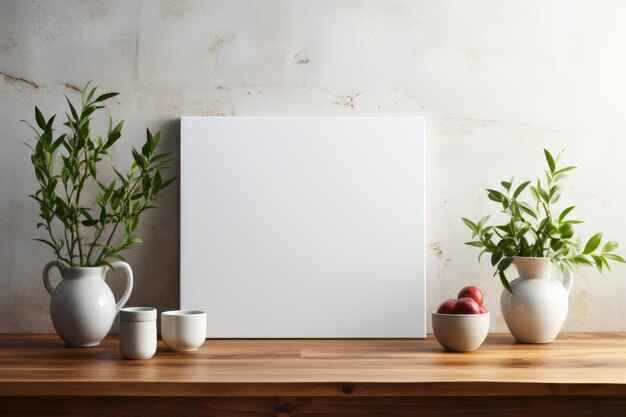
11, 79
485, 121
450, 127
347, 101
436, 248
438, 251
213, 110
471, 57
99, 13
9, 44
176, 8
71, 87
137, 42
218, 40
300, 60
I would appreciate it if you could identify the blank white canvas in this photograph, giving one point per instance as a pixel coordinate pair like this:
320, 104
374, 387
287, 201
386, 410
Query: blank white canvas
304, 227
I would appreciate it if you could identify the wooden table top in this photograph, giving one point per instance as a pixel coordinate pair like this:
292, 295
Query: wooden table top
590, 364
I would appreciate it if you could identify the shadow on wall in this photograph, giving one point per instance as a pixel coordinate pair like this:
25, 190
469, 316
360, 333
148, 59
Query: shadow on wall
156, 262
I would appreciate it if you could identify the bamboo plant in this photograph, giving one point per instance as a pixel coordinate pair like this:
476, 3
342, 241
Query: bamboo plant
90, 232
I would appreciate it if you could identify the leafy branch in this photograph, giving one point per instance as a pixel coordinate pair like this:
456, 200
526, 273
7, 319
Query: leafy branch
537, 230
64, 166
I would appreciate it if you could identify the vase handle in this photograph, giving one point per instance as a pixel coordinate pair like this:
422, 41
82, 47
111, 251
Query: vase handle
129, 283
46, 275
568, 279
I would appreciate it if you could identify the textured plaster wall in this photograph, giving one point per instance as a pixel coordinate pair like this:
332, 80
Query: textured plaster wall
496, 80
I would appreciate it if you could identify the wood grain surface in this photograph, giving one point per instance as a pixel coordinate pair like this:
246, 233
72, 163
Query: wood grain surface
313, 406
577, 364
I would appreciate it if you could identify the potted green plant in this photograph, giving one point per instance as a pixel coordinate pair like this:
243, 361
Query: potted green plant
89, 222
537, 238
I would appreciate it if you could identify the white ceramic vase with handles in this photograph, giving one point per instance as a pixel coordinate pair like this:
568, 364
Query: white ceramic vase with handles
83, 307
536, 309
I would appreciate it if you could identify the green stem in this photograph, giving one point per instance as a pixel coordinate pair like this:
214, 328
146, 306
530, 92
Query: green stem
104, 252
76, 219
69, 243
93, 243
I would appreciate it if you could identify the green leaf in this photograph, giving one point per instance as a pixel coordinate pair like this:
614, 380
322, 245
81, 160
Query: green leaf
565, 212
72, 109
614, 257
580, 259
495, 257
550, 160
562, 170
505, 228
555, 189
494, 195
606, 263
475, 244
83, 92
104, 97
610, 246
41, 121
147, 148
157, 139
566, 230
47, 243
482, 222
138, 158
534, 193
470, 224
598, 261
573, 221
592, 243
168, 182
504, 264
506, 185
544, 195
527, 209
92, 169
520, 188
161, 155
505, 282
49, 124
58, 142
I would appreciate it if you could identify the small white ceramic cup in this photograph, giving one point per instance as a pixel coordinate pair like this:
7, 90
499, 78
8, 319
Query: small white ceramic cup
183, 330
138, 333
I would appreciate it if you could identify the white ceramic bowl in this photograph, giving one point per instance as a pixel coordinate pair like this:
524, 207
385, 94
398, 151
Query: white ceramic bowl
460, 332
183, 330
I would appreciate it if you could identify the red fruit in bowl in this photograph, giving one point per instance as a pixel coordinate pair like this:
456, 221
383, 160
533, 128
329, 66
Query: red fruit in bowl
483, 310
472, 292
446, 307
466, 305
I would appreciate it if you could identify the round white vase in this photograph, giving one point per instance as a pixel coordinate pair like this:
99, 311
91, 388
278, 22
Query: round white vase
537, 307
83, 307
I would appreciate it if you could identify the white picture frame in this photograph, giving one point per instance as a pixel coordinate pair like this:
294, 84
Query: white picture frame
301, 227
